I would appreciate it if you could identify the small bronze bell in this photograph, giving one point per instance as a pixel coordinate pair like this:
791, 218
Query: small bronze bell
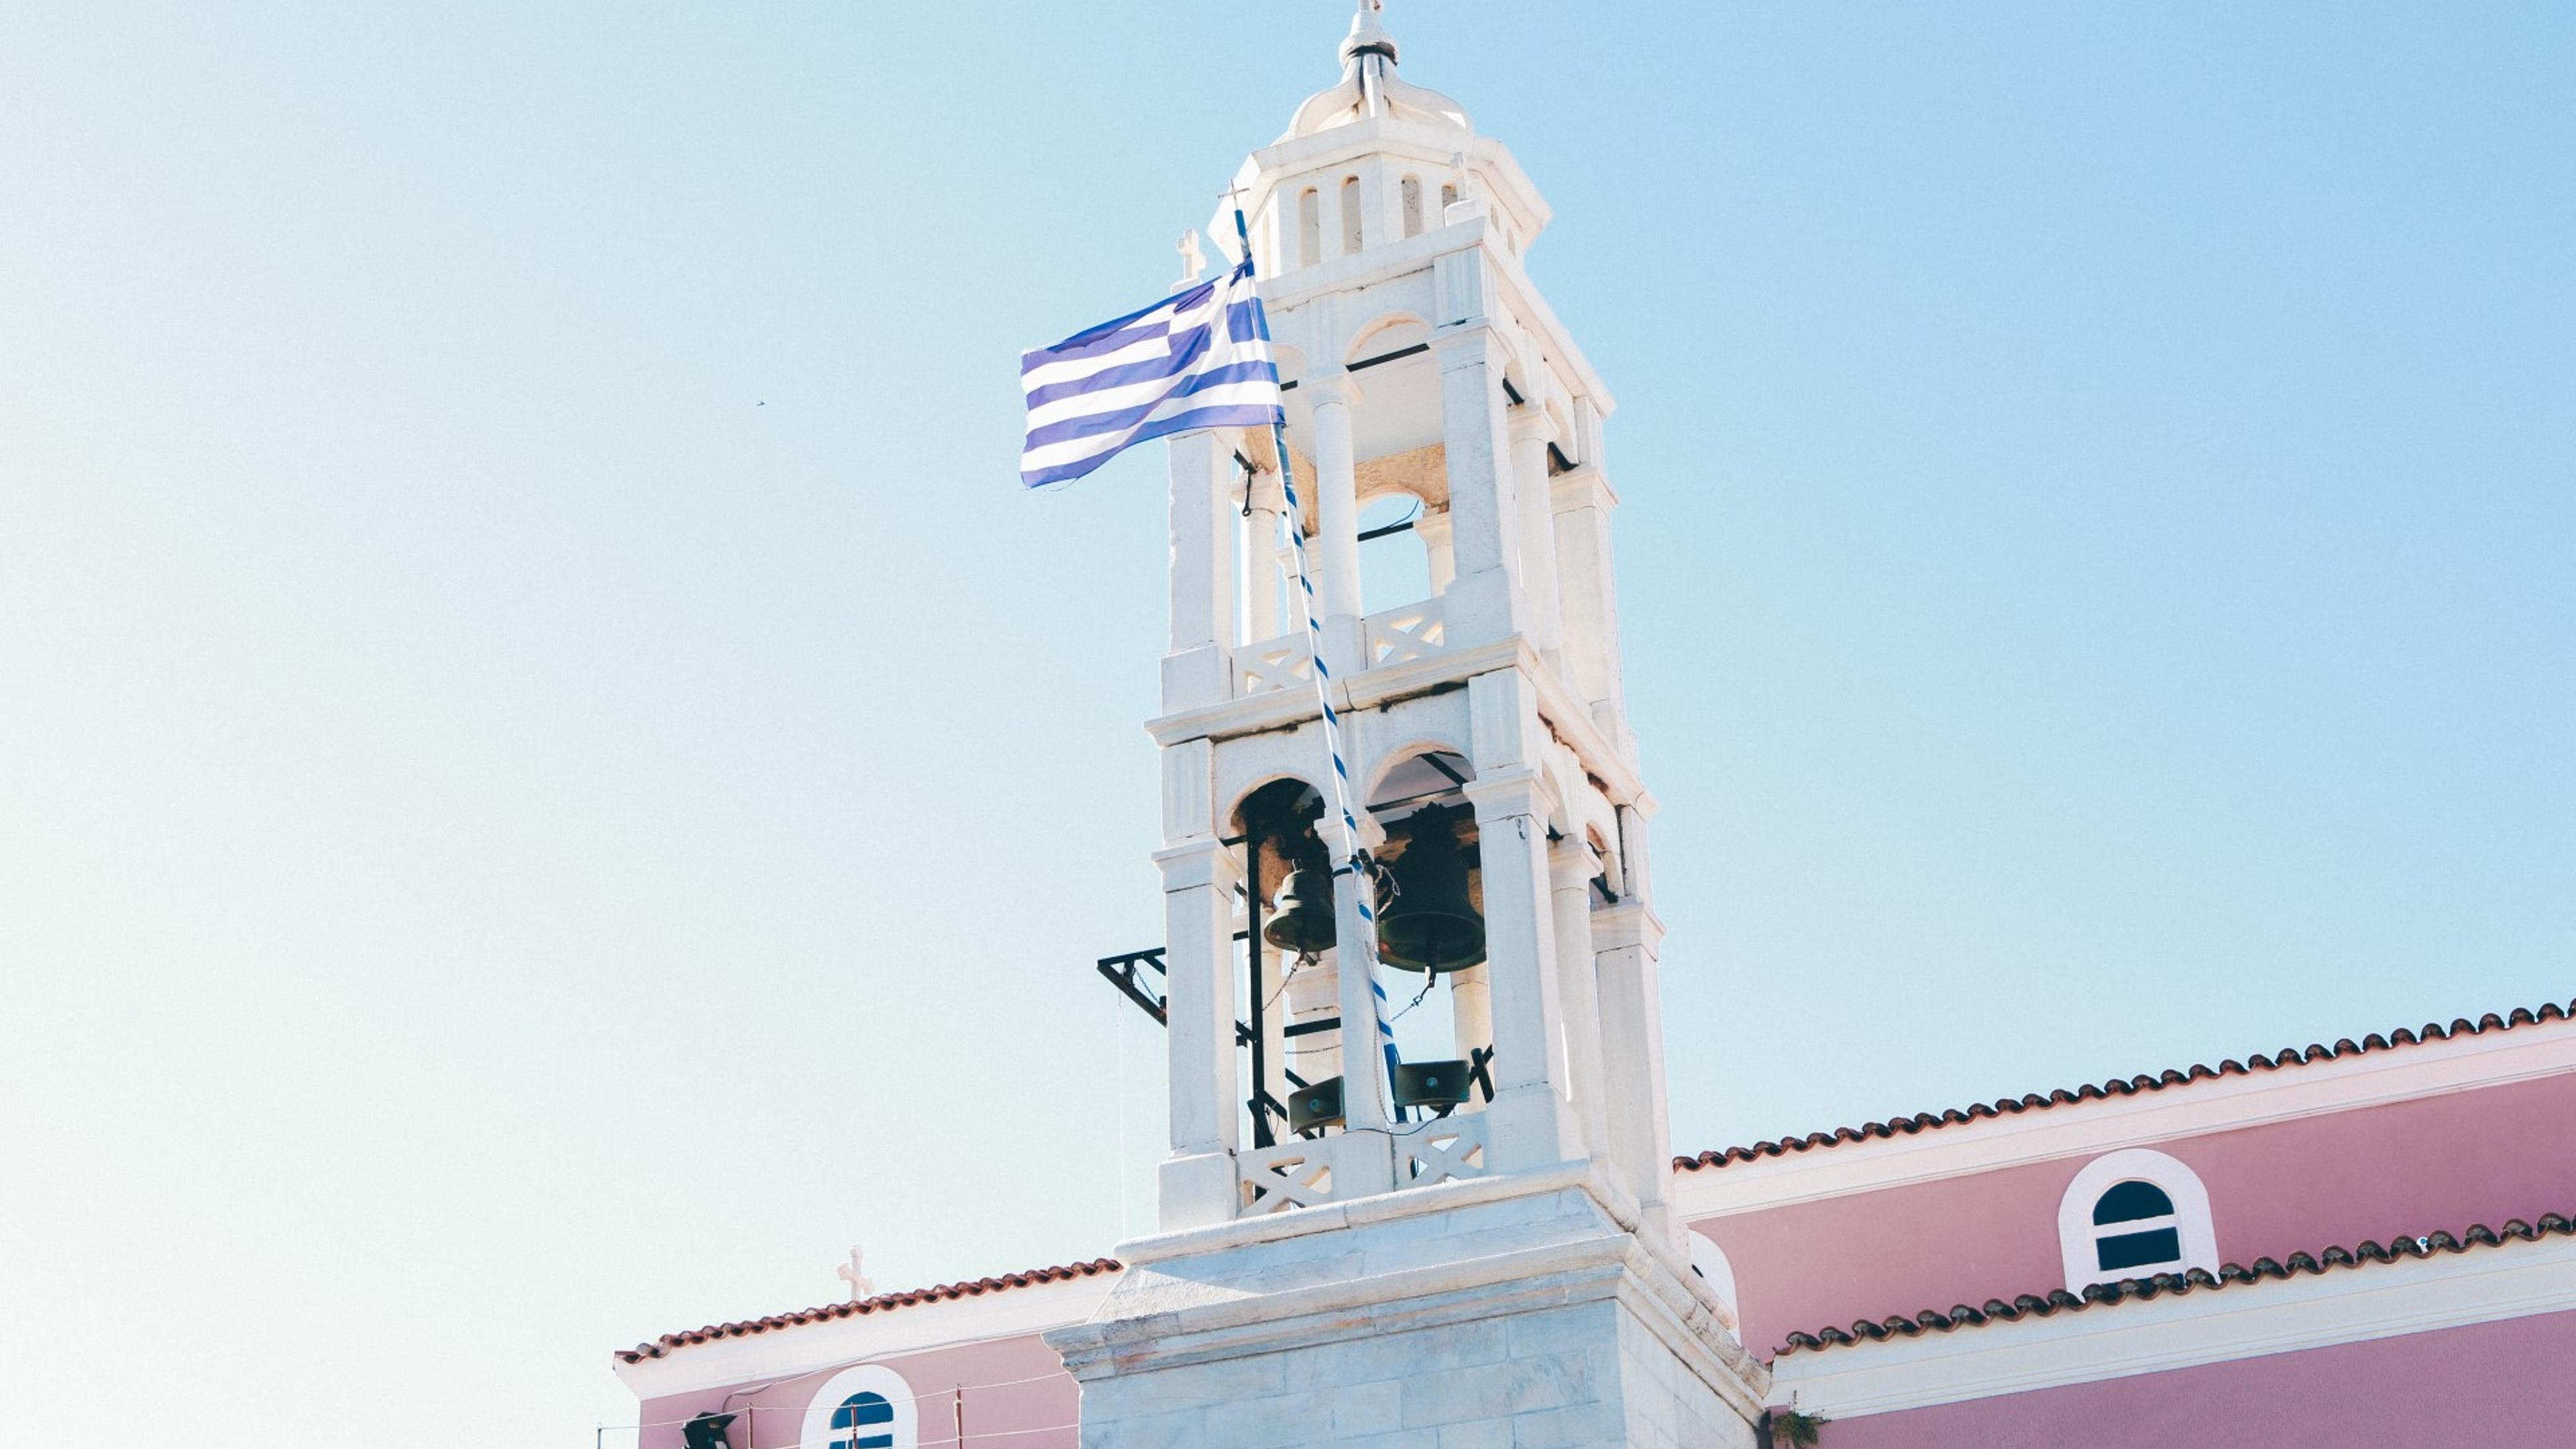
1432, 924
1301, 919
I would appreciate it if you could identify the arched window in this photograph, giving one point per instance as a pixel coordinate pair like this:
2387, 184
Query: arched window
1409, 189
2132, 1214
2134, 1227
1350, 215
864, 1421
1448, 199
868, 1407
1310, 227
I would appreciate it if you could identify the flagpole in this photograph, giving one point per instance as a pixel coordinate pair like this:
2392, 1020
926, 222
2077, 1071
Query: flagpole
1359, 863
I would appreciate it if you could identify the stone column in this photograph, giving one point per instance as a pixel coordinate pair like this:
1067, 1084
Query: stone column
1530, 433
1482, 601
1196, 670
1434, 531
1363, 1153
1363, 1056
1262, 542
1198, 957
1625, 940
1313, 994
1531, 1125
1337, 516
1591, 601
1569, 872
1471, 1010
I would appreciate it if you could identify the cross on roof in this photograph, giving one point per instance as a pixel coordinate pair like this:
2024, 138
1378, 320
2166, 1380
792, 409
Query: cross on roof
855, 1274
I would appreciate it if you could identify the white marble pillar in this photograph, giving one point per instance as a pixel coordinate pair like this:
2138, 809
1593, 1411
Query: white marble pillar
1313, 994
1364, 1083
1482, 600
1584, 501
1536, 530
1626, 938
1532, 1126
1199, 970
1263, 540
1337, 516
1434, 530
1570, 871
1471, 1010
1195, 670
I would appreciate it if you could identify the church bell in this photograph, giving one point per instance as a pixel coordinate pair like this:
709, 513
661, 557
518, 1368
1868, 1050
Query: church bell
1432, 924
1301, 919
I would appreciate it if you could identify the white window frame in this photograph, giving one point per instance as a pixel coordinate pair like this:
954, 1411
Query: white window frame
2079, 1238
867, 1378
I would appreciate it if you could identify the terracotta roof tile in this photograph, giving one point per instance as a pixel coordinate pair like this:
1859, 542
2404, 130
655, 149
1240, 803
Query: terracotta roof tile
2129, 1087
2127, 1290
881, 1303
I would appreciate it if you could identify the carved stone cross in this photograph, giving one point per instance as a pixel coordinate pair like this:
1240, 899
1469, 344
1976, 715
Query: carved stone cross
855, 1274
1192, 263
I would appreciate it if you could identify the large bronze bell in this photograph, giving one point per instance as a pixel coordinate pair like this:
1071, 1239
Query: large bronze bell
1432, 924
1301, 920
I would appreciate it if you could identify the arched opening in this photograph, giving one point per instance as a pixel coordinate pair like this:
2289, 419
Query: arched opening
1395, 567
1430, 896
863, 1421
867, 1407
1291, 997
1409, 193
1351, 212
2134, 1229
1448, 199
2133, 1214
1310, 227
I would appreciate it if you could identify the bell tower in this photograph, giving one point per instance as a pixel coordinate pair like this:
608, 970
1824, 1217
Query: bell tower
1475, 1231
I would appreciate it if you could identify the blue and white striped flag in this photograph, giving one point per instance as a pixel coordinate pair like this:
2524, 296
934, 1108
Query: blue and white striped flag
1196, 359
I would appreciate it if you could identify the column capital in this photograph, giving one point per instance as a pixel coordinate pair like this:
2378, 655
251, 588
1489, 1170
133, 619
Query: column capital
1371, 836
1508, 793
1327, 386
1465, 344
1628, 923
1197, 863
1570, 865
1529, 423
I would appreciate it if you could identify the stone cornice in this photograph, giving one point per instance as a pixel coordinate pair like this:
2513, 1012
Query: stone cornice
1288, 708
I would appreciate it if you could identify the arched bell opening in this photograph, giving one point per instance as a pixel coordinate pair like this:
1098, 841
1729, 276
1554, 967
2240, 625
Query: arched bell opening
1395, 554
1401, 466
1431, 933
1290, 1032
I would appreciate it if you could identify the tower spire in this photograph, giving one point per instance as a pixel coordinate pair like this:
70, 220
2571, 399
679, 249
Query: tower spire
1368, 50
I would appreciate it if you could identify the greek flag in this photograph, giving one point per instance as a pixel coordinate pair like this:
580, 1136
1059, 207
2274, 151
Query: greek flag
1196, 359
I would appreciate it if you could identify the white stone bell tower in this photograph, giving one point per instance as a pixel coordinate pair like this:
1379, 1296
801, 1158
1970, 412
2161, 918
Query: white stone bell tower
1347, 1255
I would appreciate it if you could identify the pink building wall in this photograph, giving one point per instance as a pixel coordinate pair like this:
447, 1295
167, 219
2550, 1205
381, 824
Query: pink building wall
995, 1377
2412, 1167
2508, 1385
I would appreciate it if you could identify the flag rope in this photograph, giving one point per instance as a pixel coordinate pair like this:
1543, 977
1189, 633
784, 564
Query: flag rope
1360, 864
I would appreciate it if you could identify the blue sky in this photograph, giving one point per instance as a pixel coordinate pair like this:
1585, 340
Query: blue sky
550, 780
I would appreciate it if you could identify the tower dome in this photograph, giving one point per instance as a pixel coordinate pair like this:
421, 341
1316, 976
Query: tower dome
1369, 86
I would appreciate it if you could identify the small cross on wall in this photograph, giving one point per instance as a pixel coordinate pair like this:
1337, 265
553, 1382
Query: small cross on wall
1191, 260
854, 1273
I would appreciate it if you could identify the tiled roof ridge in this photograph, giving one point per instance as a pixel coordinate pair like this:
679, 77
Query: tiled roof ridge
2132, 1086
881, 1303
2032, 1305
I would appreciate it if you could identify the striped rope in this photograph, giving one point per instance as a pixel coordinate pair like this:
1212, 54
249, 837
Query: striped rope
1347, 822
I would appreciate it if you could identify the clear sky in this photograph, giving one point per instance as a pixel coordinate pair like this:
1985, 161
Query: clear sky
551, 780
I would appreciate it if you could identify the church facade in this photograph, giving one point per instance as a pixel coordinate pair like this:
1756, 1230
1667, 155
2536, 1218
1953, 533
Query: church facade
1468, 1228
